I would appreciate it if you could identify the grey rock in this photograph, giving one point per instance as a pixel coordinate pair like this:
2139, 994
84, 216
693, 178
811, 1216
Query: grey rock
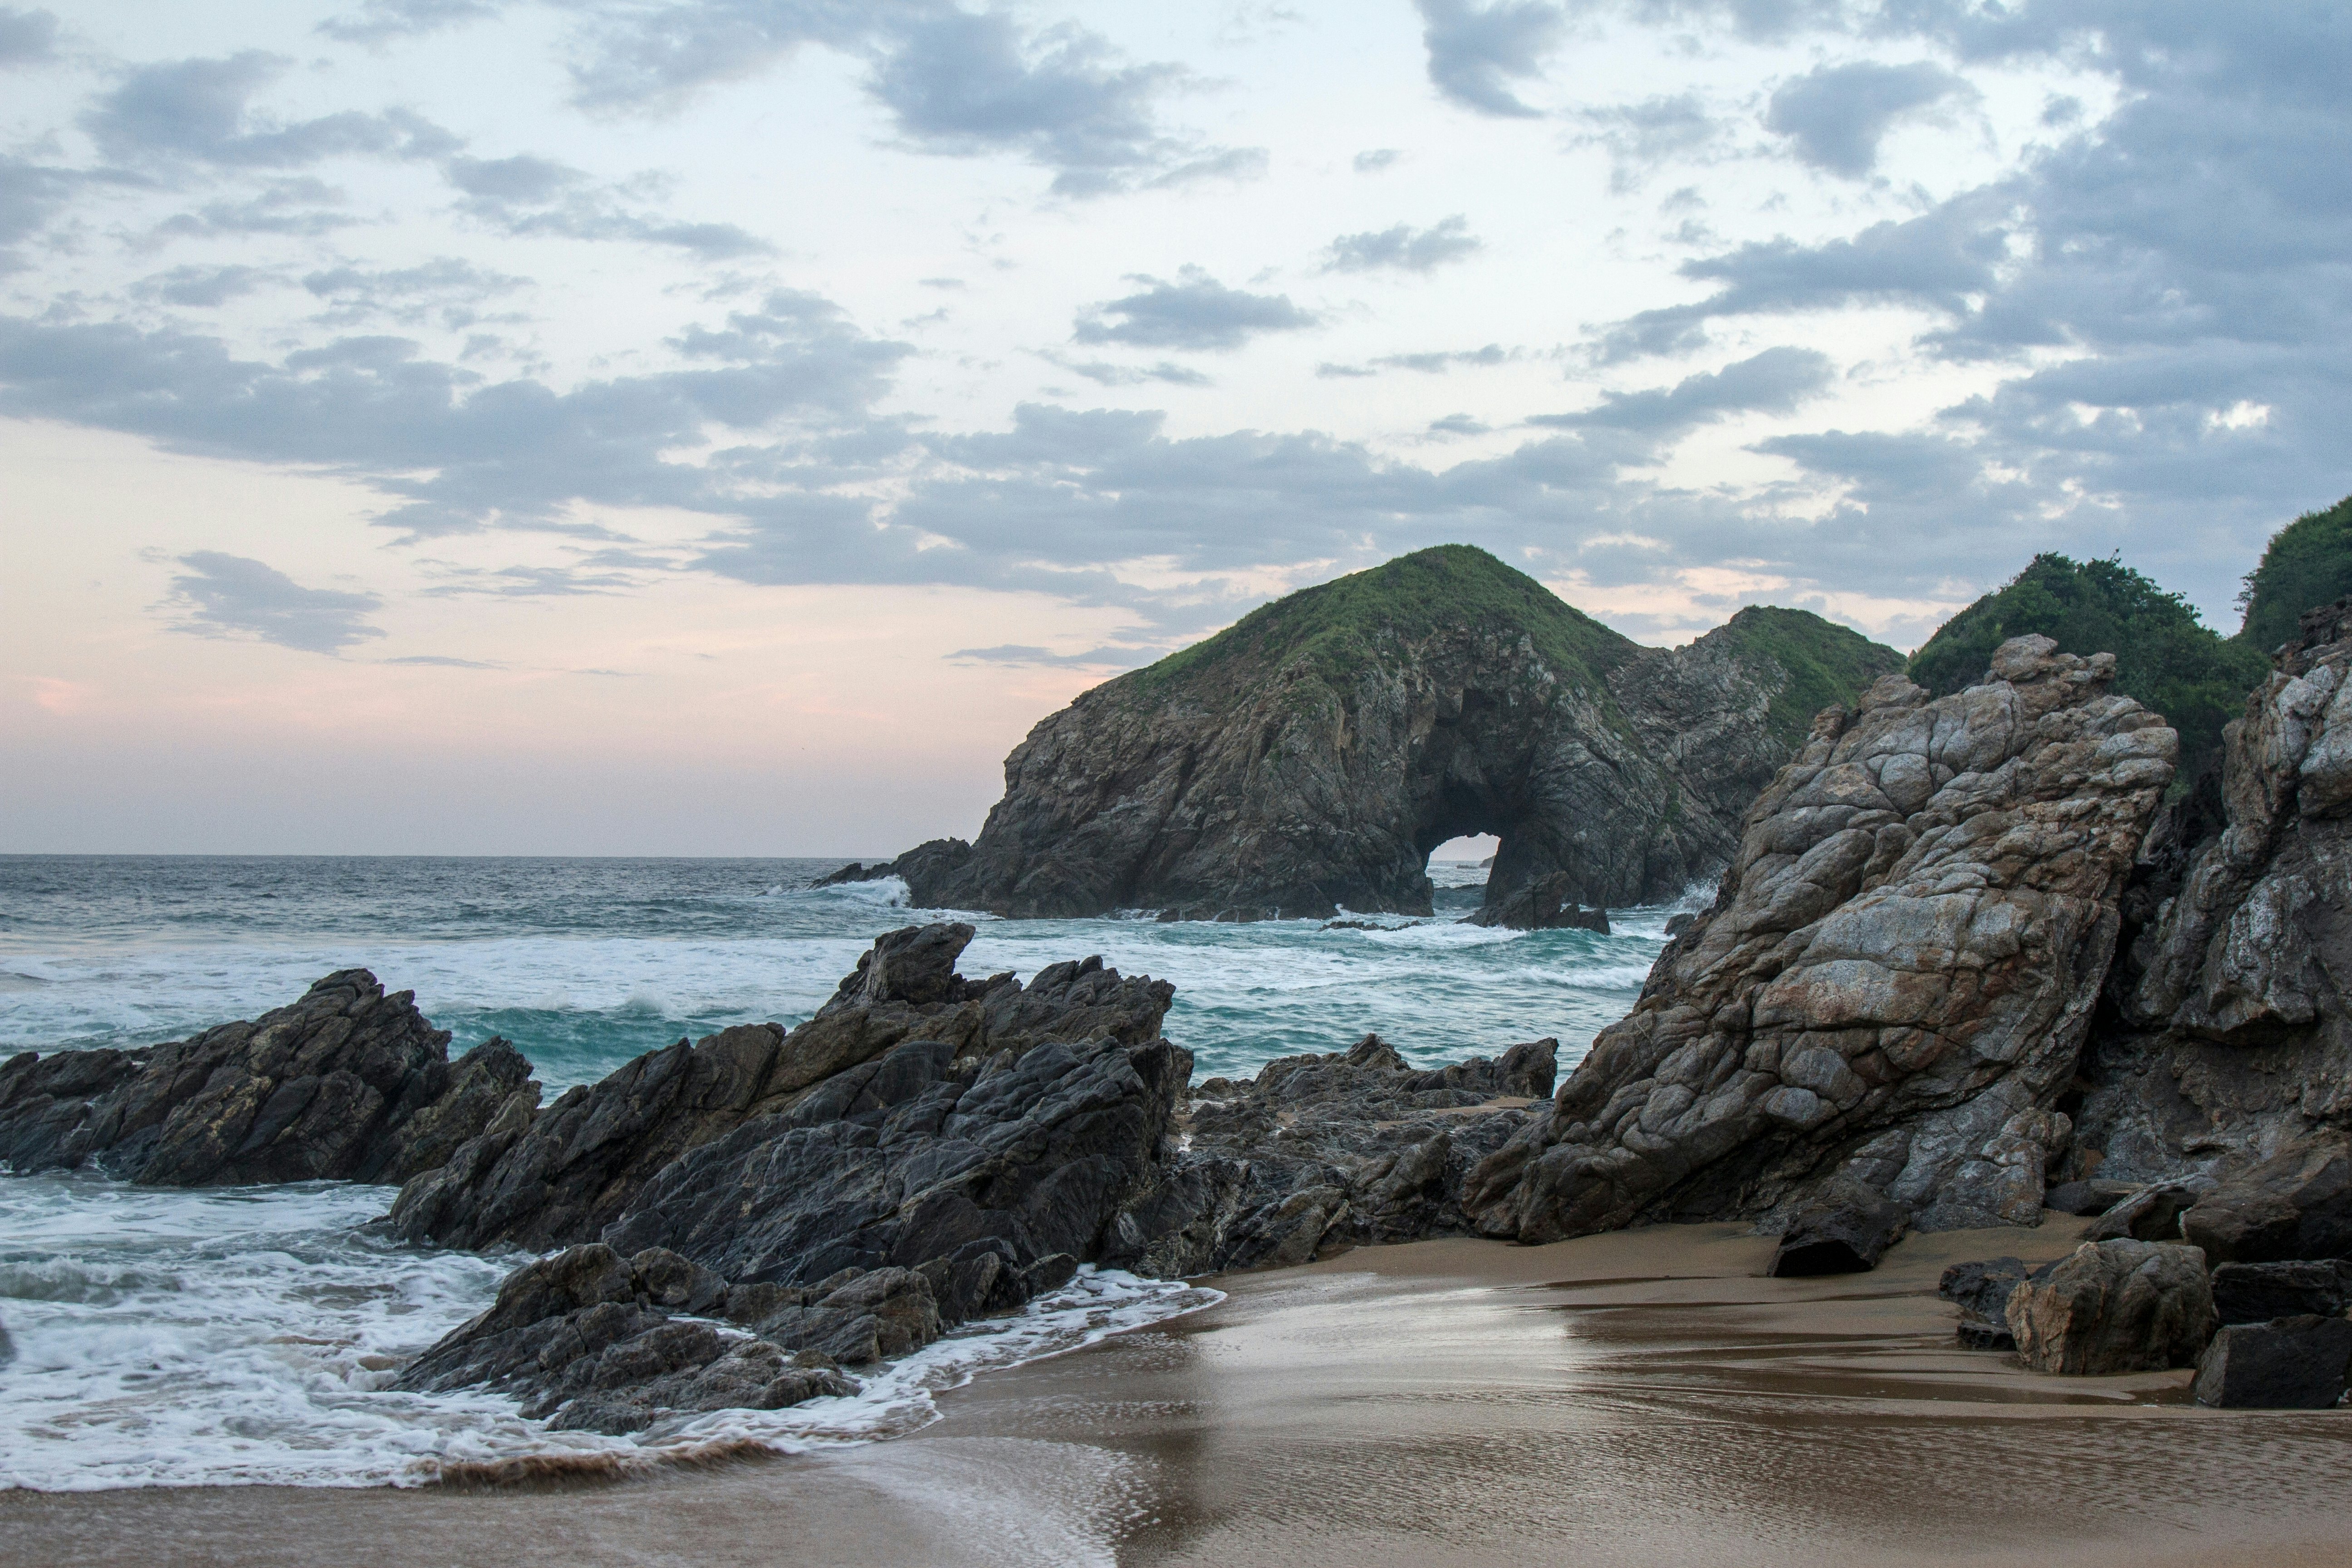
1981, 1334
1547, 903
1312, 755
2153, 1213
574, 1171
2288, 1364
2115, 1306
2087, 1197
1981, 1288
1846, 1231
2297, 1203
346, 1084
1893, 983
2257, 1292
1318, 1152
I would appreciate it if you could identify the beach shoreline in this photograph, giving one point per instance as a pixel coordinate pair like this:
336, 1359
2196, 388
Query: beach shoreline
1643, 1397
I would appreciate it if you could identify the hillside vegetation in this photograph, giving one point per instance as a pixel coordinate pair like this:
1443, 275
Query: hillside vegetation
2165, 656
2308, 564
1827, 663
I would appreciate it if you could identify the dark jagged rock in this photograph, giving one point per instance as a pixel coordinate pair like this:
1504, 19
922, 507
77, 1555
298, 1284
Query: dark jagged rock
1313, 754
1983, 1287
1846, 1232
1548, 903
589, 1337
2227, 1037
1893, 984
346, 1084
2115, 1306
574, 1171
1982, 1335
2257, 1292
2289, 1364
2152, 1213
1322, 1151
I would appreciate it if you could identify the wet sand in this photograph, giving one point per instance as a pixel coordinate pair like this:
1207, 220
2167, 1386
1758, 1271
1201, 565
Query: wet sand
1639, 1399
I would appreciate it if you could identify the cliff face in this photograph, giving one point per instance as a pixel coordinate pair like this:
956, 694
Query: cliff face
1314, 754
2227, 1038
1894, 984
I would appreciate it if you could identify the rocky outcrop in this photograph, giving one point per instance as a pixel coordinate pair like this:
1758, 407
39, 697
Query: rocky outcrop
1548, 903
1893, 984
1845, 1230
2115, 1306
573, 1171
346, 1084
1312, 755
2227, 1040
1322, 1151
2257, 1292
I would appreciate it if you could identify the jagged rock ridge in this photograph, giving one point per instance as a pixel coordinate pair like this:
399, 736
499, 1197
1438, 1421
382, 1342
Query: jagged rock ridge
1313, 754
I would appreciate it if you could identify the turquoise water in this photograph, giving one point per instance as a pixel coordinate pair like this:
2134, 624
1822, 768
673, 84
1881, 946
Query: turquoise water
585, 963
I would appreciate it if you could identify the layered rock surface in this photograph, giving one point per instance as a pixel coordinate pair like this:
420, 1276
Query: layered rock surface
2228, 1041
1893, 983
346, 1084
1314, 754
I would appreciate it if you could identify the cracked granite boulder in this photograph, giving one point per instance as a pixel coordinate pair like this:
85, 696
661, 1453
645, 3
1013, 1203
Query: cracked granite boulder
345, 1084
1893, 984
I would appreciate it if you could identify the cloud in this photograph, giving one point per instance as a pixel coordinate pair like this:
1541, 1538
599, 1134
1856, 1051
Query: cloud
956, 83
379, 21
301, 206
1836, 115
30, 195
201, 110
1640, 136
1403, 248
443, 661
27, 38
1196, 312
1475, 49
1371, 161
527, 196
1166, 372
1436, 364
1459, 425
1020, 655
201, 286
447, 284
1773, 381
233, 595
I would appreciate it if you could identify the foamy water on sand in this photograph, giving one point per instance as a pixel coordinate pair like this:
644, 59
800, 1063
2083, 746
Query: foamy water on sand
250, 1335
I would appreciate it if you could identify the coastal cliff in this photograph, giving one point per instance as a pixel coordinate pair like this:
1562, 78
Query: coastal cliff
1312, 755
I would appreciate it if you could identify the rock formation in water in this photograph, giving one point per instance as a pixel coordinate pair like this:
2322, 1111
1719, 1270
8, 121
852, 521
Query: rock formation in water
1892, 987
347, 1084
1313, 754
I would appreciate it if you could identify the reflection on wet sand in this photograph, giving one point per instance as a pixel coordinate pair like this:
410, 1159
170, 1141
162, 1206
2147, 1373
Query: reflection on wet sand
1643, 1398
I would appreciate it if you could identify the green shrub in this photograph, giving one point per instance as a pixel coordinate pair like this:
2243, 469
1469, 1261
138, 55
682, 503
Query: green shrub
2308, 564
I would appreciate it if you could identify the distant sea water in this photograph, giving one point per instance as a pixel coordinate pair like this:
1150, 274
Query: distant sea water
246, 1335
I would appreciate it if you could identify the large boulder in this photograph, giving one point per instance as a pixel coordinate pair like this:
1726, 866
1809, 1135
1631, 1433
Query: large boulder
2297, 1203
2115, 1306
1846, 1231
2257, 1292
1895, 979
2287, 1364
568, 1175
346, 1084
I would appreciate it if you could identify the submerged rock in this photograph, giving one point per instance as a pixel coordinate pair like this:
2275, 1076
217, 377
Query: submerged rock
1893, 984
1548, 903
2115, 1306
346, 1084
1313, 754
2287, 1364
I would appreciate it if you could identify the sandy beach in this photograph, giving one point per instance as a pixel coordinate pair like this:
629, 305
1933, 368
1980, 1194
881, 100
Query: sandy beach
1640, 1398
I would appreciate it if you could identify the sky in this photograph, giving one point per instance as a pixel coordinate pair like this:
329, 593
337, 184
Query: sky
623, 426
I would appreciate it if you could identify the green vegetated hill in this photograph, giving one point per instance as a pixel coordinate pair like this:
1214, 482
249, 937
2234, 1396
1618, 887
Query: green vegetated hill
2165, 656
1826, 663
2308, 564
1450, 585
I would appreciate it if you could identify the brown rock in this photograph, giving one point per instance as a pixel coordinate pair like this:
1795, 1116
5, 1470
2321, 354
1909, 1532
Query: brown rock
2115, 1306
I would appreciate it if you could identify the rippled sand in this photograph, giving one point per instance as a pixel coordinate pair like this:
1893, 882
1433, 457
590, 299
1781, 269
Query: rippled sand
1633, 1399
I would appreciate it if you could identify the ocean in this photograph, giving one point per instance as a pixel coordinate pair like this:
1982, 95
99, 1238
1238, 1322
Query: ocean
247, 1336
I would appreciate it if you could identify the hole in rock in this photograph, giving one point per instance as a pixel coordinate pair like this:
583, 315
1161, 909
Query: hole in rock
1458, 869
